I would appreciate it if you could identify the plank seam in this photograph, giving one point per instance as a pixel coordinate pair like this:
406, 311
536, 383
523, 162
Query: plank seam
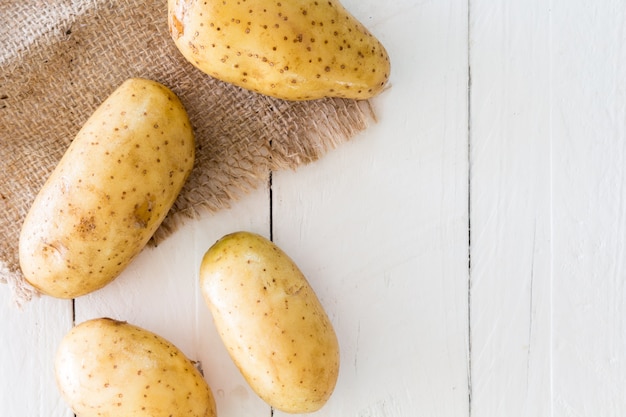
469, 211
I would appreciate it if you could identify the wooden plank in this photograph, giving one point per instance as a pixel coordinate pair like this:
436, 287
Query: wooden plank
30, 336
510, 163
159, 291
379, 226
589, 187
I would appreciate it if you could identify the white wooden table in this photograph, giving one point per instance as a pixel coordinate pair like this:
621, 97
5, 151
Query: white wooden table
469, 247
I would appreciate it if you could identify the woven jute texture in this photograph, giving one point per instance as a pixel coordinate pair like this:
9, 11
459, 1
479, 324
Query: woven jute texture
59, 60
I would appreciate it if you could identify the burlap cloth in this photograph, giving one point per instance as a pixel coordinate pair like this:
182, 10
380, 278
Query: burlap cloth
59, 60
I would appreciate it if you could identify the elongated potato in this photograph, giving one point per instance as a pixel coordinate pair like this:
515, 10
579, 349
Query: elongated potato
271, 322
110, 368
110, 191
290, 49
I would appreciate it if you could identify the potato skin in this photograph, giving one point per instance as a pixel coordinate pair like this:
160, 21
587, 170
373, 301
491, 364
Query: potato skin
109, 193
110, 368
271, 322
292, 50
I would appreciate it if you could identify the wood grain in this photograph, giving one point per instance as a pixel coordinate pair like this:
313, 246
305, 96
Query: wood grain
510, 143
589, 154
30, 336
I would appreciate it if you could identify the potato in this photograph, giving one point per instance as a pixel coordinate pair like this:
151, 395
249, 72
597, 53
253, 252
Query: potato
110, 191
110, 368
271, 322
290, 49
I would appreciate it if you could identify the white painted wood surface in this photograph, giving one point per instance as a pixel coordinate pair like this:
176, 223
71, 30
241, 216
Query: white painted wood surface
469, 247
510, 203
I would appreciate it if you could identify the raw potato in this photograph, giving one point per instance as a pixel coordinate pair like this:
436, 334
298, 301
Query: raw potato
110, 368
110, 191
271, 322
290, 49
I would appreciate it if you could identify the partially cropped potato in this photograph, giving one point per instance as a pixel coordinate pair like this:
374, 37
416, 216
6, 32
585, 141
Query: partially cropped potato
110, 191
271, 322
290, 49
109, 368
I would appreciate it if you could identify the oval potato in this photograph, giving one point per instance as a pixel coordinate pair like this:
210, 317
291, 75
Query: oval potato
110, 368
110, 191
271, 322
289, 49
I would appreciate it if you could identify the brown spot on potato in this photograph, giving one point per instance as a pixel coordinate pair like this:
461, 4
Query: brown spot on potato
86, 225
143, 212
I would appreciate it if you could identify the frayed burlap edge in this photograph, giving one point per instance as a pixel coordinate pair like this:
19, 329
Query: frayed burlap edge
21, 291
